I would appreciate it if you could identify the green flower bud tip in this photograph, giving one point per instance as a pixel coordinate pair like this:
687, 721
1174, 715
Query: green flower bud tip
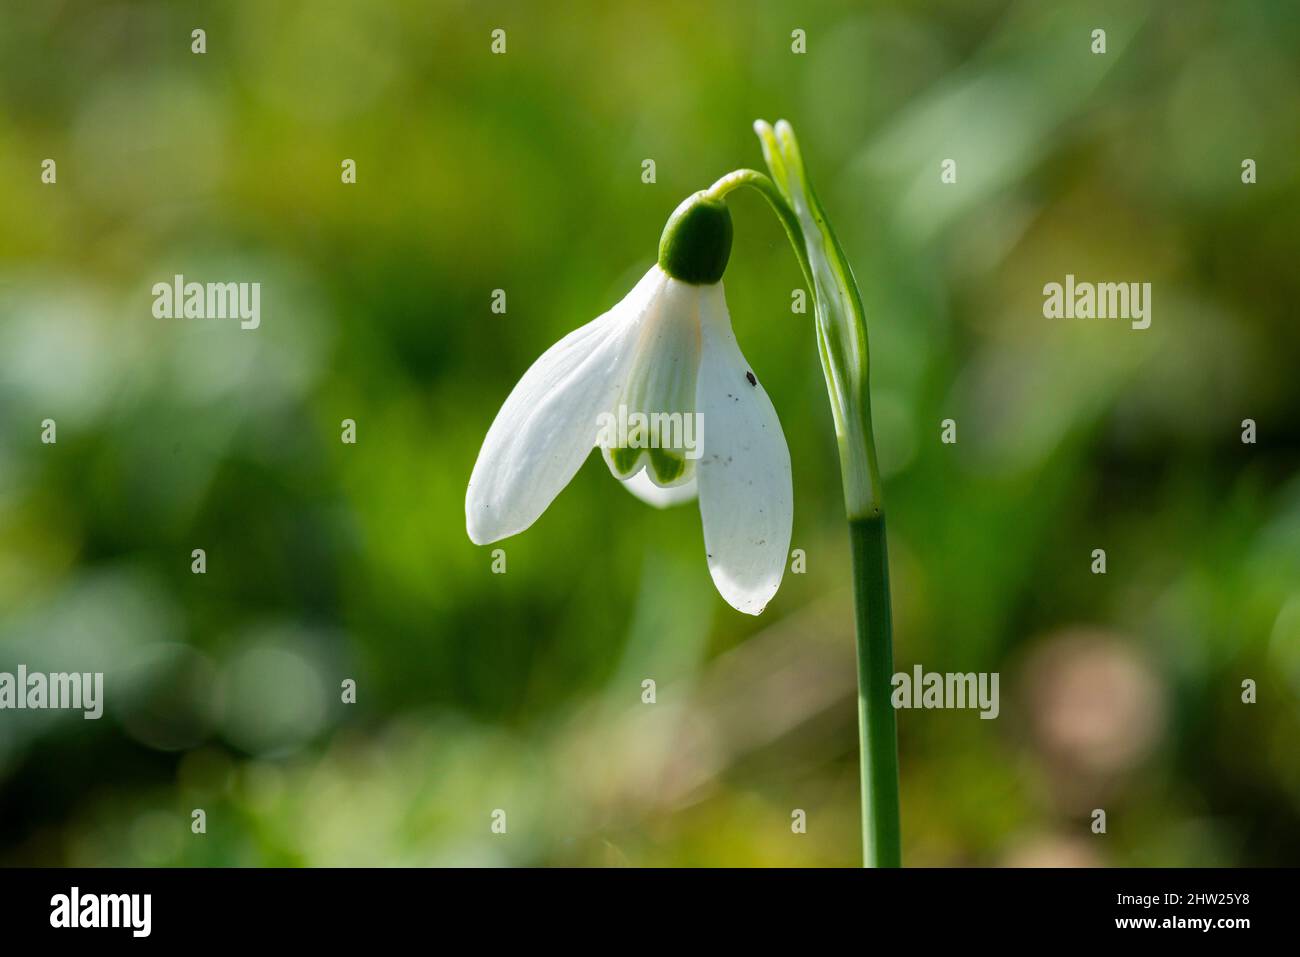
696, 243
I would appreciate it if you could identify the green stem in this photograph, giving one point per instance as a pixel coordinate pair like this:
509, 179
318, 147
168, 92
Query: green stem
842, 343
877, 736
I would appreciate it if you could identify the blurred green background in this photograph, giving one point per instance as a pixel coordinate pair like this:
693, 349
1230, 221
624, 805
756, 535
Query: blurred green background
522, 691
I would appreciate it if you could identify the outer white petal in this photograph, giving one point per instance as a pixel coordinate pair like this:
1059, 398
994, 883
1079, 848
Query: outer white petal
746, 499
647, 491
548, 425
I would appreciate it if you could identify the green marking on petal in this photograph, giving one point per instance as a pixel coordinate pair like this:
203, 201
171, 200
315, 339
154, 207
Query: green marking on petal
667, 465
624, 460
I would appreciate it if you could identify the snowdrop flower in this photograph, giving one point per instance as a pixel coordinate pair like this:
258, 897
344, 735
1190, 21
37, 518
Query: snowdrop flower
659, 384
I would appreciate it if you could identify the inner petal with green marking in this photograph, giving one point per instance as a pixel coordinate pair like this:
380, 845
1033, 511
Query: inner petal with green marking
655, 426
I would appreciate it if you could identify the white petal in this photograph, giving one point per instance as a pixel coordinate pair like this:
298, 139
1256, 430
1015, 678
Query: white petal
647, 491
548, 425
746, 499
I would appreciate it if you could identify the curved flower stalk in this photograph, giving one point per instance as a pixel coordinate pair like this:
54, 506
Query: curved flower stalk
659, 384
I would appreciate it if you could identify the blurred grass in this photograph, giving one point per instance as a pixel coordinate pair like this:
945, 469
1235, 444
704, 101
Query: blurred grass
522, 691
